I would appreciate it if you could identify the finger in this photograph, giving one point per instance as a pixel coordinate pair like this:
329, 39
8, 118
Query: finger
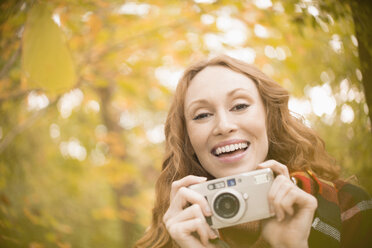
278, 168
192, 212
305, 200
280, 212
183, 237
182, 231
275, 187
204, 231
288, 201
185, 195
185, 182
278, 190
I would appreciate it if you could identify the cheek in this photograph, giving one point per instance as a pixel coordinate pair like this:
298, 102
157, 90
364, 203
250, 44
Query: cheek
258, 129
198, 139
264, 141
265, 145
194, 135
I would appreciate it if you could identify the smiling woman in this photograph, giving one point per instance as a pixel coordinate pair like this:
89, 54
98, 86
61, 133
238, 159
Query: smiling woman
231, 114
228, 118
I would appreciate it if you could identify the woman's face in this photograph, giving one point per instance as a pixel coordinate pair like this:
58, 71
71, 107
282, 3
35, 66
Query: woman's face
226, 121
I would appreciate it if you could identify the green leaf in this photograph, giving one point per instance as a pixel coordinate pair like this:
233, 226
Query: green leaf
46, 59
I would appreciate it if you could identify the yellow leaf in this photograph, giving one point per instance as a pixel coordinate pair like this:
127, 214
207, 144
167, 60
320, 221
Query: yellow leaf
46, 59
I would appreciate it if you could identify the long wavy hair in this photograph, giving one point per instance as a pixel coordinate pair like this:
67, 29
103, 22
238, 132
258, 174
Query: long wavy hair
291, 142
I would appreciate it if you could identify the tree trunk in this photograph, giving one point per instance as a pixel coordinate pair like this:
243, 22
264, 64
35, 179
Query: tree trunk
129, 229
362, 16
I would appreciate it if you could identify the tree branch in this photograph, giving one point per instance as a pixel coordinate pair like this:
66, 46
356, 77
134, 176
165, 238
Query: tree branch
26, 124
4, 71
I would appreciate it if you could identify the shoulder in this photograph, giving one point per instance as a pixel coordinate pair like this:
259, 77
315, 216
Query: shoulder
352, 200
348, 189
356, 214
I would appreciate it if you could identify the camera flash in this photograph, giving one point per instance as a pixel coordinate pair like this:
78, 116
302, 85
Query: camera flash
259, 179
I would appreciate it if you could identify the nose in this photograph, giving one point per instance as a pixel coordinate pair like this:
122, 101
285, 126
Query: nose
224, 124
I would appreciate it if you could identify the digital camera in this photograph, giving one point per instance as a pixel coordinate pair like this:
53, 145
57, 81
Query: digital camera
237, 199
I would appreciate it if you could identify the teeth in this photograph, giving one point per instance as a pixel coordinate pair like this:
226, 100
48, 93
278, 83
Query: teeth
231, 148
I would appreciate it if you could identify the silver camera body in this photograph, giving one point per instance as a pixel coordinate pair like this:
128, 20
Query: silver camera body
237, 199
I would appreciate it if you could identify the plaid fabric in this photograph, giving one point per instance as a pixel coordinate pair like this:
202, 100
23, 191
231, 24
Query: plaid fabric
344, 214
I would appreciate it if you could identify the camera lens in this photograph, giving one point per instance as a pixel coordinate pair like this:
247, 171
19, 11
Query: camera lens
226, 205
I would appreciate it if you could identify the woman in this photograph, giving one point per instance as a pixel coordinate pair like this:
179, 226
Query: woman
227, 118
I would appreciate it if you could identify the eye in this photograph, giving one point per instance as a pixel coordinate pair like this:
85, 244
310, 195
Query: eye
240, 106
202, 116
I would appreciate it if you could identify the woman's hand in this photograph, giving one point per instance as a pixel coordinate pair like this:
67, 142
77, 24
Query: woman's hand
293, 207
183, 221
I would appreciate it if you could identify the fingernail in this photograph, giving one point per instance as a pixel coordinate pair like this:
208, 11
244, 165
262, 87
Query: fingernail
204, 241
208, 210
202, 179
279, 217
213, 234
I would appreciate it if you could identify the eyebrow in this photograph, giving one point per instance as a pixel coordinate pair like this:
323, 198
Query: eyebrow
233, 92
204, 101
199, 101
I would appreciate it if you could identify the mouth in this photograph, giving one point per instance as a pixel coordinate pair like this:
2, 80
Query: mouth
230, 149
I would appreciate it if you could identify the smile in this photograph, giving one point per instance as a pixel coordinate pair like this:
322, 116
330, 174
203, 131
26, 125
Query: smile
227, 149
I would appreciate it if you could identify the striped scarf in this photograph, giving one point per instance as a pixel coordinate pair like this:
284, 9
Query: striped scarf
344, 214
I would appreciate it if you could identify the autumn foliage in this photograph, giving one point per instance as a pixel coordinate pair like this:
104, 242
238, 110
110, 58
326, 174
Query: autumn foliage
85, 87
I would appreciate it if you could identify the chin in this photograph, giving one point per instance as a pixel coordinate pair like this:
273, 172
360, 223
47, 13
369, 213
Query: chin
244, 169
232, 172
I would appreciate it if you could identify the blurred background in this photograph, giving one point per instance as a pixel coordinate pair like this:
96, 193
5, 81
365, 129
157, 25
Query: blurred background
85, 86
